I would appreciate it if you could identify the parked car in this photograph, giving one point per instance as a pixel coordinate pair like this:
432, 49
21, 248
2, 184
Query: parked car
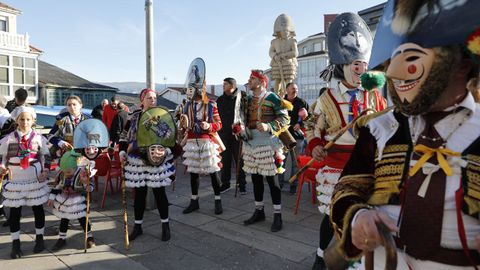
46, 116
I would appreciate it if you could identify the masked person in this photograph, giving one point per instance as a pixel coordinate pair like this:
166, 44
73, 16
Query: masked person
200, 122
349, 47
67, 197
262, 153
144, 169
23, 158
415, 169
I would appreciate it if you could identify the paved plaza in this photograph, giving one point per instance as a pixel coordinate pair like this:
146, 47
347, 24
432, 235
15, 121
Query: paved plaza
200, 240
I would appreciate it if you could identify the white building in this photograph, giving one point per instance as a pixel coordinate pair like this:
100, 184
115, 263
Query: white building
18, 60
312, 59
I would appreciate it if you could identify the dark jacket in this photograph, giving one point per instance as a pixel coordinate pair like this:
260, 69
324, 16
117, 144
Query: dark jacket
297, 103
226, 110
97, 112
11, 105
118, 124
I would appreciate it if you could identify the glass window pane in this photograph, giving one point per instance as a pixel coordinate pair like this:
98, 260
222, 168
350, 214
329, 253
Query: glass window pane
29, 63
31, 91
4, 75
18, 76
3, 25
29, 76
4, 60
4, 90
17, 61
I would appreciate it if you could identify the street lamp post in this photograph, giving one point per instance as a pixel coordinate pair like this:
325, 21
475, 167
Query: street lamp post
150, 45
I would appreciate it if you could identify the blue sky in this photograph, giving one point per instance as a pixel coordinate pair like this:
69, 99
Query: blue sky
104, 40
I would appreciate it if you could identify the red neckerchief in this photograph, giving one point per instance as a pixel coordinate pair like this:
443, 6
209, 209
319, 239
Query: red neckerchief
25, 147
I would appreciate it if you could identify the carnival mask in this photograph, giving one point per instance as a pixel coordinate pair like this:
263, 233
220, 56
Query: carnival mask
156, 154
353, 71
191, 92
409, 68
91, 152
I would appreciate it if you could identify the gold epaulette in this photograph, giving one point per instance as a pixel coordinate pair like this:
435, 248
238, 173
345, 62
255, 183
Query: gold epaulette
363, 120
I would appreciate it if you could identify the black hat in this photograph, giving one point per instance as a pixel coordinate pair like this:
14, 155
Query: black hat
428, 23
349, 39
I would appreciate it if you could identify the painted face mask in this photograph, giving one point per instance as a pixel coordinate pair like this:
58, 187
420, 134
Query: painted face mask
156, 154
91, 152
353, 72
191, 92
409, 68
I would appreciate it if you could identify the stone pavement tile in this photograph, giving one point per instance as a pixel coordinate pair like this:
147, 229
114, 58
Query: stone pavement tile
268, 242
40, 262
193, 219
100, 260
291, 231
312, 222
173, 257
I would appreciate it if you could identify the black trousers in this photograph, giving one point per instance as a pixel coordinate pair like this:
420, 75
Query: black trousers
16, 214
140, 202
231, 152
194, 183
326, 233
258, 189
64, 224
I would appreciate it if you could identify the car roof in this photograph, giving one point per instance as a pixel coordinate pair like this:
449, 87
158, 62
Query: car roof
54, 110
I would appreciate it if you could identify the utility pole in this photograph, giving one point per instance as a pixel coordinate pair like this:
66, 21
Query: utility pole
150, 45
150, 204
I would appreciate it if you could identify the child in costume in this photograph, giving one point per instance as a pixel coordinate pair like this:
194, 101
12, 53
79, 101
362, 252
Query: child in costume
23, 156
67, 197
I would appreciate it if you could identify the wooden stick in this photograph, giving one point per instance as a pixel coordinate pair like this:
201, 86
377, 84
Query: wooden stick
87, 209
390, 250
125, 214
238, 167
330, 144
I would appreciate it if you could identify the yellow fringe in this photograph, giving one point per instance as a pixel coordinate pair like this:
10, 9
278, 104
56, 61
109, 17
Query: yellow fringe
277, 133
287, 104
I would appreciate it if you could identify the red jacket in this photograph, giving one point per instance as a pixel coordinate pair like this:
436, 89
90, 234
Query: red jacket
108, 114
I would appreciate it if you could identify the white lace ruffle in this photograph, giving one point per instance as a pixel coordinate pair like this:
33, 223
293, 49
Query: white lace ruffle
327, 177
261, 159
139, 174
201, 156
73, 215
25, 202
27, 193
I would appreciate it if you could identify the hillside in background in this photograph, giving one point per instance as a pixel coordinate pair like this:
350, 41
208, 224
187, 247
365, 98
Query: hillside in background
136, 87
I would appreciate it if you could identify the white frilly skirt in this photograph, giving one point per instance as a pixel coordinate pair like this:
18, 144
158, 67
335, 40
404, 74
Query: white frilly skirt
327, 178
139, 174
69, 206
201, 156
263, 154
24, 189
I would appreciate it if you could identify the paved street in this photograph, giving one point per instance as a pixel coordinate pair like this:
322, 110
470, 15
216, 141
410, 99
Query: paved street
200, 240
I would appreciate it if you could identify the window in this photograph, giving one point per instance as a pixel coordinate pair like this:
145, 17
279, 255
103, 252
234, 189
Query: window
3, 60
4, 75
3, 24
17, 61
18, 76
317, 47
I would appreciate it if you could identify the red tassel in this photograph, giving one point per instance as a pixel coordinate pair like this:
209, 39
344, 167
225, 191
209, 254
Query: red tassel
24, 163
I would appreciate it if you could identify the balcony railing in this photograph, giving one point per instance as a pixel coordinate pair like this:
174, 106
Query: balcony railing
14, 41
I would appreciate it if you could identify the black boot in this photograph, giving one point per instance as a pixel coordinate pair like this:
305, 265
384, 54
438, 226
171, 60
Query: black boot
16, 252
59, 244
218, 207
193, 206
90, 242
319, 263
165, 231
277, 222
39, 244
137, 231
2, 212
258, 215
